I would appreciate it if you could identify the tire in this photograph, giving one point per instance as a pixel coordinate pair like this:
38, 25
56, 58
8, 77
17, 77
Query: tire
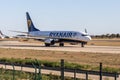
61, 44
82, 44
47, 45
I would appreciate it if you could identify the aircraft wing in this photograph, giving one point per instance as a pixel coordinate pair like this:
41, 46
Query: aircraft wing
29, 37
19, 32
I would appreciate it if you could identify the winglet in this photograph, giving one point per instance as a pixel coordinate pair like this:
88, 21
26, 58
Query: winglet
85, 30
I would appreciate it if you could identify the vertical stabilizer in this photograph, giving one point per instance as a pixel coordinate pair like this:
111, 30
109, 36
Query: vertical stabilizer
1, 35
30, 24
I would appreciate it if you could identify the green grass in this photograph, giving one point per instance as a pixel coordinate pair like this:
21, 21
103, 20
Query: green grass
57, 64
8, 75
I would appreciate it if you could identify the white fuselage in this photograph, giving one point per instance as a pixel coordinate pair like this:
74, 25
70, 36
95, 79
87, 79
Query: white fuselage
71, 35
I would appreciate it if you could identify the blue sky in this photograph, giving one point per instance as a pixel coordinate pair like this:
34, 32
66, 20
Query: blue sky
97, 16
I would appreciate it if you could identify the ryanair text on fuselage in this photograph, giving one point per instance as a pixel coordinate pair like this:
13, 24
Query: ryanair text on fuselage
62, 34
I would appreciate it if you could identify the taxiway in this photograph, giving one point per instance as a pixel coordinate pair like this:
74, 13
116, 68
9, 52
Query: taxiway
73, 48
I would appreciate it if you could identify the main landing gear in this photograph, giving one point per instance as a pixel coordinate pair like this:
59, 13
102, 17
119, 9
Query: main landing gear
82, 44
61, 44
47, 45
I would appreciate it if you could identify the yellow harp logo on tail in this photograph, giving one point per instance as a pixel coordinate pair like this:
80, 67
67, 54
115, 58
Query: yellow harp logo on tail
29, 23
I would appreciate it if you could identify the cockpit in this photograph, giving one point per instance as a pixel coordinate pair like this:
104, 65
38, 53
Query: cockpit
84, 34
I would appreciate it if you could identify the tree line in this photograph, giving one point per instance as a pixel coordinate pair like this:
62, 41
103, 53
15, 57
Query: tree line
106, 36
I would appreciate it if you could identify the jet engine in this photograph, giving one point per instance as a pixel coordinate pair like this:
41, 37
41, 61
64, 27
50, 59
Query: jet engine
49, 42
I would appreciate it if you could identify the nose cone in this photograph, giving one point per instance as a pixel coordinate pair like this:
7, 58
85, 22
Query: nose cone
90, 38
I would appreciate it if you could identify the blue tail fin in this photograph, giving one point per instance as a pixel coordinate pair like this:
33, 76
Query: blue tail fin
30, 24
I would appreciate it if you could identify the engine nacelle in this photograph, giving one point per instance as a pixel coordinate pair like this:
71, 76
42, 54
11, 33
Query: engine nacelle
50, 41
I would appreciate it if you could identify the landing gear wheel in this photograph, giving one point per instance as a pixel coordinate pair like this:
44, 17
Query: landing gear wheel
82, 44
47, 45
61, 44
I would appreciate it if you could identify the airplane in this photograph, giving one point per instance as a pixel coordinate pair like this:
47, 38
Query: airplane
3, 35
51, 37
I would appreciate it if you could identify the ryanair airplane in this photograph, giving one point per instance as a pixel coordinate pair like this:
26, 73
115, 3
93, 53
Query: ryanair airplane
52, 37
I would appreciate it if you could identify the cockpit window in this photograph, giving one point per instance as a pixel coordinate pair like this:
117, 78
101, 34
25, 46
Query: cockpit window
84, 35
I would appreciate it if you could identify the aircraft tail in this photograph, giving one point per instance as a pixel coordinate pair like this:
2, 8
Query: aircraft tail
30, 24
1, 35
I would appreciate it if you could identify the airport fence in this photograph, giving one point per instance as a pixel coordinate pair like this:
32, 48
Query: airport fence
38, 75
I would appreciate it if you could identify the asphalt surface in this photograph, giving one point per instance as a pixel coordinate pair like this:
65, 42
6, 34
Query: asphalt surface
71, 48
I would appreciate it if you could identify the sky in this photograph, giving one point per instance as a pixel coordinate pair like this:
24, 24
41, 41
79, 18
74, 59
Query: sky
97, 16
